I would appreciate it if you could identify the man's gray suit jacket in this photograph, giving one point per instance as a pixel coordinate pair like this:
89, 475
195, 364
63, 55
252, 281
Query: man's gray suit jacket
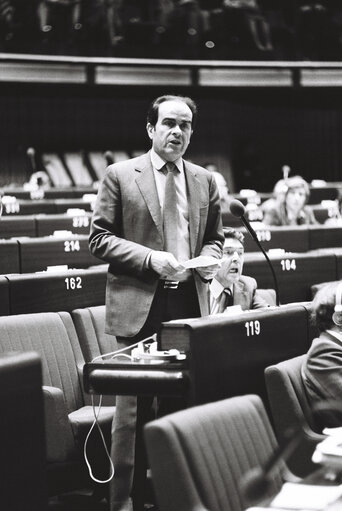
127, 224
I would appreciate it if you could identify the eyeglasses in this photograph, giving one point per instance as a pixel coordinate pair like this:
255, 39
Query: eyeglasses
231, 251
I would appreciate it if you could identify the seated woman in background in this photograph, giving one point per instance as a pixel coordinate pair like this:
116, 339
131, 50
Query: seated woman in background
291, 209
336, 219
322, 370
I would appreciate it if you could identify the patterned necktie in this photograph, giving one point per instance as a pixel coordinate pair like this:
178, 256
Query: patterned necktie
170, 213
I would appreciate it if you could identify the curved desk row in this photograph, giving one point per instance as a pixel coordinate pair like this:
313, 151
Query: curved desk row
52, 291
43, 224
36, 206
295, 239
26, 255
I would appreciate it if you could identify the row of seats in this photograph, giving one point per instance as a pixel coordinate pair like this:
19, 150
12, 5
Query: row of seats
63, 342
233, 437
66, 341
44, 224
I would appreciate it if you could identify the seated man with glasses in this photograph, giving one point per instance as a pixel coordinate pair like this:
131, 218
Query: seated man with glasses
229, 287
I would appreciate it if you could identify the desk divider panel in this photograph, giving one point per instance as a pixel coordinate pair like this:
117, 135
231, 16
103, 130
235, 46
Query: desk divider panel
37, 254
53, 292
77, 224
295, 272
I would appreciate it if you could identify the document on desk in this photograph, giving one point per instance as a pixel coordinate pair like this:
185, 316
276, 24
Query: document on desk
306, 497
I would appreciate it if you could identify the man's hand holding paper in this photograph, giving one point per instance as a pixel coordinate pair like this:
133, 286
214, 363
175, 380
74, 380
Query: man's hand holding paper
206, 266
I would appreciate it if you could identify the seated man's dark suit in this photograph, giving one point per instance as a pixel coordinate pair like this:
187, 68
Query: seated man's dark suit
322, 374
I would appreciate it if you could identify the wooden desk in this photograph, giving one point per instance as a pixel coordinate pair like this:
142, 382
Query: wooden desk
296, 272
29, 207
16, 226
47, 224
9, 256
53, 292
291, 239
227, 356
36, 254
324, 237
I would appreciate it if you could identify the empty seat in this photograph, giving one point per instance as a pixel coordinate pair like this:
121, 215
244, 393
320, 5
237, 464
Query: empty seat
199, 456
77, 168
90, 327
98, 162
56, 170
291, 412
67, 415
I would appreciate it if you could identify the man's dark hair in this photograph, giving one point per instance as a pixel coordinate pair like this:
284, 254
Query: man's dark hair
236, 235
153, 111
323, 306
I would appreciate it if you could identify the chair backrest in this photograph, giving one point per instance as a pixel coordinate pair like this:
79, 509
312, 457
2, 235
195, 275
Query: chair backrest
22, 460
53, 337
90, 327
199, 456
269, 295
291, 412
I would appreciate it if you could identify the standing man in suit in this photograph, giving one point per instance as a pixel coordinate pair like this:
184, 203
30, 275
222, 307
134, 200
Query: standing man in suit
152, 213
229, 286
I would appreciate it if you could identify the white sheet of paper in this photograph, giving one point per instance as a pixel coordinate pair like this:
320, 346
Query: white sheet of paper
306, 496
201, 261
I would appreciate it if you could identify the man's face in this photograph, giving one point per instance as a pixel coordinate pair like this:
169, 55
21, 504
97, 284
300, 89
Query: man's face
172, 132
231, 267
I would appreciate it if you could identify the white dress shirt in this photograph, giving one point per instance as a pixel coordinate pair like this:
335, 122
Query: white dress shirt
216, 296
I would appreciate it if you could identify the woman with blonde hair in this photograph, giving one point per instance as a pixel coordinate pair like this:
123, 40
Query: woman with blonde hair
292, 208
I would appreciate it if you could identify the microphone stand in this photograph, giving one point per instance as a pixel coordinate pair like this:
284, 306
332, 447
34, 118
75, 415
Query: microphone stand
255, 238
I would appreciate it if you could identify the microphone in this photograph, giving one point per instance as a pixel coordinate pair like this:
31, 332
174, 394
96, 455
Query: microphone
109, 157
238, 210
258, 481
31, 154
